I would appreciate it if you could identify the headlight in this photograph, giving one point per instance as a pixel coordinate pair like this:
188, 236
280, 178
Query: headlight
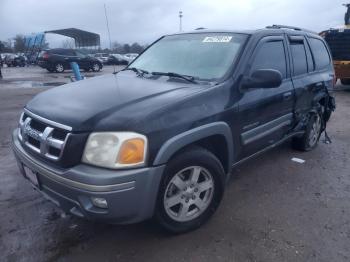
115, 149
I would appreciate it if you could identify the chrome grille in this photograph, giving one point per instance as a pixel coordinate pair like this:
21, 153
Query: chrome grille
43, 136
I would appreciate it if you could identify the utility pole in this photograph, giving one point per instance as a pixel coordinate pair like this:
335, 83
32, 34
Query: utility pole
180, 17
347, 15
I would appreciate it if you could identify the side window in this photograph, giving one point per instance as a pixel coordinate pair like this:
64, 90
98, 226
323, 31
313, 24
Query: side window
69, 53
58, 52
299, 58
79, 54
320, 52
271, 55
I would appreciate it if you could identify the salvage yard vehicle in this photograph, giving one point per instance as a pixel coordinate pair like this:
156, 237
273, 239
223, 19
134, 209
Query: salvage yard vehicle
102, 57
159, 138
338, 41
116, 59
14, 60
130, 57
59, 59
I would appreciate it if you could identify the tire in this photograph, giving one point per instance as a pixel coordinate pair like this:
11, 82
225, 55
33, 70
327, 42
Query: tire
96, 67
59, 68
178, 193
312, 134
345, 81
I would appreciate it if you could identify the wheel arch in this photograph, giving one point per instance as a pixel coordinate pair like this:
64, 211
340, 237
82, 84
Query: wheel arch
214, 137
319, 99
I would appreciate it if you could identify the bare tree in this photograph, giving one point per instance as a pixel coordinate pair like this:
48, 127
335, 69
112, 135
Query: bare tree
19, 43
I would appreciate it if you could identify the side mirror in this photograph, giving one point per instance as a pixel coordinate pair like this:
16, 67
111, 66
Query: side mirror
263, 78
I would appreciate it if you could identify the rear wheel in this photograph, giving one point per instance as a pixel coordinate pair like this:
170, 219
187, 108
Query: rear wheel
311, 136
190, 191
59, 68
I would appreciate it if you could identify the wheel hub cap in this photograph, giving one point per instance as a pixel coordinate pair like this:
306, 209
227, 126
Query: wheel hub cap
189, 193
315, 131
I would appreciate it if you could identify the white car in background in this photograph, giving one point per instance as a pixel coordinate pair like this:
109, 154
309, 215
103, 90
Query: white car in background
130, 57
117, 59
102, 57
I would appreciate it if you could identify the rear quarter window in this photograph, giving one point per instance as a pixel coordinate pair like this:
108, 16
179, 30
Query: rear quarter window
320, 53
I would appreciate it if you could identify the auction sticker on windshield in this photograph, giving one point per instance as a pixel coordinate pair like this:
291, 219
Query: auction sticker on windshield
217, 39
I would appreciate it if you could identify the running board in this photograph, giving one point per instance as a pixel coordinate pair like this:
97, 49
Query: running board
268, 148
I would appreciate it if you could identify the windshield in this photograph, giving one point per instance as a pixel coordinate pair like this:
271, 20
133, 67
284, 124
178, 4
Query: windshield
204, 56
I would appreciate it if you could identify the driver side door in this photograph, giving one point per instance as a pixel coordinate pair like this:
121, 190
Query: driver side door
266, 114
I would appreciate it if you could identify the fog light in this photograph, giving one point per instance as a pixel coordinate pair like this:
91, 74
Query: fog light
99, 202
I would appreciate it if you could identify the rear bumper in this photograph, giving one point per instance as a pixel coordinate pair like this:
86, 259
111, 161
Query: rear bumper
44, 64
130, 194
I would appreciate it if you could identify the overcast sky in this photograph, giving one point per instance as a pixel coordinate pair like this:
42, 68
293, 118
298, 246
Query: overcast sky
145, 20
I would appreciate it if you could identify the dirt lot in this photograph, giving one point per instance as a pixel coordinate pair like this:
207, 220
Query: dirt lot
273, 210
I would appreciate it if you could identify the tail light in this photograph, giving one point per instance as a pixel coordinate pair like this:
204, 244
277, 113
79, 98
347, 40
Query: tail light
45, 56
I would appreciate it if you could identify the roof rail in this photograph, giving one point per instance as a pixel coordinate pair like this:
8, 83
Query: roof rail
289, 27
283, 26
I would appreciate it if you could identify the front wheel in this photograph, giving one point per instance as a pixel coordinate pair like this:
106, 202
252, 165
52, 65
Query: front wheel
311, 136
190, 191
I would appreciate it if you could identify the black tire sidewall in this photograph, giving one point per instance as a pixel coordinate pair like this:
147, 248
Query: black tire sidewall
345, 81
92, 67
193, 157
308, 129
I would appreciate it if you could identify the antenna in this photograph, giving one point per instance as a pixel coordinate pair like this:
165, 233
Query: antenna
109, 34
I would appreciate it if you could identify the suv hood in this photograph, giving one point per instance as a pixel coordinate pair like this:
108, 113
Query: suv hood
81, 105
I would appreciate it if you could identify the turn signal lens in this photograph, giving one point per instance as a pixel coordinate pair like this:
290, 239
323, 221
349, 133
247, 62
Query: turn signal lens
132, 151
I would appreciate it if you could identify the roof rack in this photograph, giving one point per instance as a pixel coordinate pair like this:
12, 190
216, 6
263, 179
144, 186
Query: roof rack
288, 27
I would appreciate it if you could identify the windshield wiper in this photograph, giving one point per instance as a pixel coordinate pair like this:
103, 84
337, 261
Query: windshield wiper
138, 71
171, 74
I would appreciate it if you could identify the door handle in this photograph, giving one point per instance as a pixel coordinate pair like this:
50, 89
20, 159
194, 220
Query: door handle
287, 95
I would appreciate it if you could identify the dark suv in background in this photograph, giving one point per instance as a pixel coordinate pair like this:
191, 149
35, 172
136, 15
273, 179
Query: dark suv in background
159, 138
59, 59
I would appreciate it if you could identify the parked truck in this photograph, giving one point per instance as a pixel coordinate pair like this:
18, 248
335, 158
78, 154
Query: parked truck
338, 41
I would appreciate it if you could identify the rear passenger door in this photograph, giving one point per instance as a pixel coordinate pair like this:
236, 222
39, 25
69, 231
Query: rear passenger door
83, 60
266, 113
311, 70
69, 56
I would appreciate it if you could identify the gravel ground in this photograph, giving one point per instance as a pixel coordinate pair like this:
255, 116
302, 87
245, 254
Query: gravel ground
273, 210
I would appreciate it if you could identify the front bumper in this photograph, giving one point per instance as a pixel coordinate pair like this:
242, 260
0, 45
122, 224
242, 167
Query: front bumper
130, 194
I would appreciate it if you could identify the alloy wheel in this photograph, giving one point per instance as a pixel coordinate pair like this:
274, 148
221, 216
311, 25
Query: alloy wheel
59, 68
189, 193
315, 131
95, 67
